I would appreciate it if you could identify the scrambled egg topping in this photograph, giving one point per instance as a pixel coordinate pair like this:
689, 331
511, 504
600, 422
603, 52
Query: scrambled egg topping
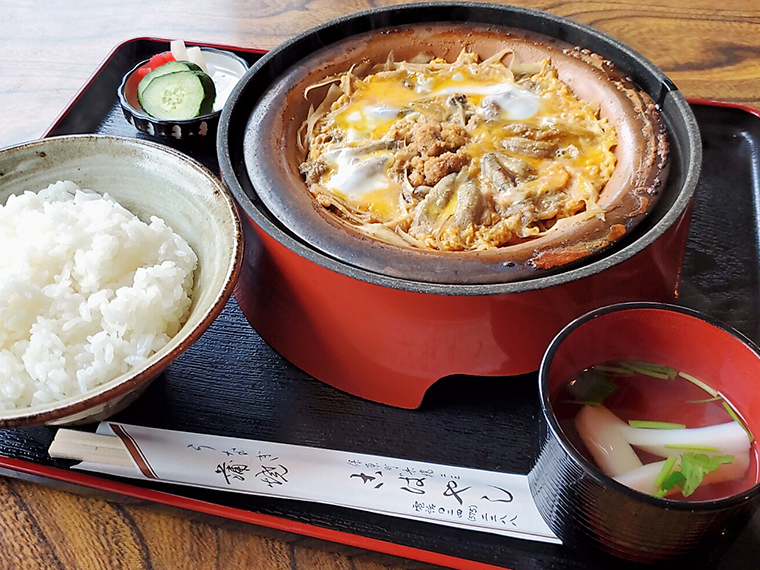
469, 155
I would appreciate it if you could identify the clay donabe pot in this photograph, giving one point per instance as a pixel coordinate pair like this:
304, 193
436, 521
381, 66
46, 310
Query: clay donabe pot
385, 323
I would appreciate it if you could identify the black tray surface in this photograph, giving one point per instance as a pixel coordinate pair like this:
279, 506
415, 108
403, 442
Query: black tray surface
232, 383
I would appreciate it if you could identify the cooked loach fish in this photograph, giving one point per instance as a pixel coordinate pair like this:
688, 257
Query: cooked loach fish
464, 156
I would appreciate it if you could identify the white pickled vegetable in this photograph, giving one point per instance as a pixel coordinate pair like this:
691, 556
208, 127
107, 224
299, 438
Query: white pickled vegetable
611, 442
722, 439
178, 49
195, 55
191, 54
602, 433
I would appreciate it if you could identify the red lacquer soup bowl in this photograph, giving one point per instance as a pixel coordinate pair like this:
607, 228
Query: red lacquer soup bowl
592, 509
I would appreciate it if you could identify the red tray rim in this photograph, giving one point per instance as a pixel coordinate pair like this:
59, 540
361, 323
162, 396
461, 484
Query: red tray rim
205, 507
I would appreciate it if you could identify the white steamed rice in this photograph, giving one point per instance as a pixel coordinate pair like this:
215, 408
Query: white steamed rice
87, 291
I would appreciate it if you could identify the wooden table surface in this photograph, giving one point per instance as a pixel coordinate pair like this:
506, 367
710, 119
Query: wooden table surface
49, 49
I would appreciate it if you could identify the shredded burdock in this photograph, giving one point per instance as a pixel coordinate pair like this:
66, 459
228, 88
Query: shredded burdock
461, 156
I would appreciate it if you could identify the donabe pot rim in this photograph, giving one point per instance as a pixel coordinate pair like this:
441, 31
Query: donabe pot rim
554, 430
245, 96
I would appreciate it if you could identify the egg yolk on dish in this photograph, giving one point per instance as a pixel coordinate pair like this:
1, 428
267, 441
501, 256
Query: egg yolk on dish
468, 155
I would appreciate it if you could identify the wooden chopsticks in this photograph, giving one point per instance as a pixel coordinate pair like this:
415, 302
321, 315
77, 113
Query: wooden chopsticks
92, 447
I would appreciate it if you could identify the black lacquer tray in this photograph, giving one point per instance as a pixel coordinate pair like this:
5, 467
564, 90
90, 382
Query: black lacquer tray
232, 383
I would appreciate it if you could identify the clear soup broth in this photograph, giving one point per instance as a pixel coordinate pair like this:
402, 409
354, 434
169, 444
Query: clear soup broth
656, 394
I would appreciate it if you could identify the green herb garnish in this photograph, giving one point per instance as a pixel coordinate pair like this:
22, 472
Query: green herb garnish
667, 467
617, 370
704, 401
650, 369
693, 468
591, 387
716, 396
673, 480
690, 447
738, 420
654, 425
698, 382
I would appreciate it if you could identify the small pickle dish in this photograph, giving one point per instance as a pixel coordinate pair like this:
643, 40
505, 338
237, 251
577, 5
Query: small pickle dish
224, 69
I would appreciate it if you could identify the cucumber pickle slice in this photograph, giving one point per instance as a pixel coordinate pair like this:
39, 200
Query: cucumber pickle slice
177, 95
168, 67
